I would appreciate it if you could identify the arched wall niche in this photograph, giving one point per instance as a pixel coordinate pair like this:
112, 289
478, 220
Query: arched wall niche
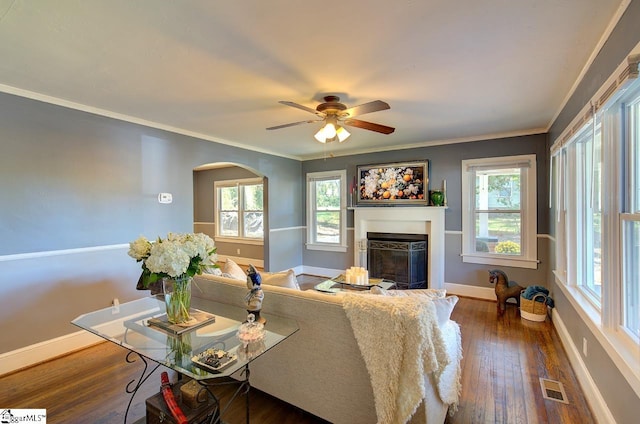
204, 178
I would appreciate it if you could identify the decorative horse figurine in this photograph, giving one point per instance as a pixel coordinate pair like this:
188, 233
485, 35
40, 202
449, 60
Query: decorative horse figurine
503, 290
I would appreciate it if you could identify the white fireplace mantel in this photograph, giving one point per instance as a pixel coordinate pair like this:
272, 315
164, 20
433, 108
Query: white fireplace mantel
409, 220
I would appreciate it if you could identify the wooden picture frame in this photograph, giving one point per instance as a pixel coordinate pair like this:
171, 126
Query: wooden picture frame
402, 183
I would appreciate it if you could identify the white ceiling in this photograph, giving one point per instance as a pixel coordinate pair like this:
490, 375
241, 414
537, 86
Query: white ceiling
450, 70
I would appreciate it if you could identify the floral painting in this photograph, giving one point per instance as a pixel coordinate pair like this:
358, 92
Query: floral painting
395, 183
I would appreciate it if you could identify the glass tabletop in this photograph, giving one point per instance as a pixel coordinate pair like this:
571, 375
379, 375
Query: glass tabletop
128, 326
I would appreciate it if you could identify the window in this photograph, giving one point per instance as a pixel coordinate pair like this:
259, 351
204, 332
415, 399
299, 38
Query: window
631, 275
584, 205
326, 211
499, 211
239, 209
596, 185
630, 221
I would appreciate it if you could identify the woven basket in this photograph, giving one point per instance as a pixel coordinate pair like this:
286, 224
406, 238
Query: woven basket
532, 310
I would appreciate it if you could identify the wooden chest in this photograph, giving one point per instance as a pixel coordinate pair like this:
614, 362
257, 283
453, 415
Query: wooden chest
158, 413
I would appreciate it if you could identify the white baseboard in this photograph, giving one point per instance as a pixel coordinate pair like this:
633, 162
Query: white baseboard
589, 387
44, 351
487, 293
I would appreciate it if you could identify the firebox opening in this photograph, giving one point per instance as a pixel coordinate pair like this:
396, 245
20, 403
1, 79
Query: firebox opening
399, 257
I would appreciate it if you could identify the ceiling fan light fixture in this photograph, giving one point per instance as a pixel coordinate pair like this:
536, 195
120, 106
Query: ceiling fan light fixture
329, 130
342, 134
320, 136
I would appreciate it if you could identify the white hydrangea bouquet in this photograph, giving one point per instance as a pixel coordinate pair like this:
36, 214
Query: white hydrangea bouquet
177, 256
175, 260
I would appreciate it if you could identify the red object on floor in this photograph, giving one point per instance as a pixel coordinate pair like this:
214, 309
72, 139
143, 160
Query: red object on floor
167, 393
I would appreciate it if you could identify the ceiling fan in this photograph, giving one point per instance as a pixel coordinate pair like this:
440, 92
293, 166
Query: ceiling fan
335, 114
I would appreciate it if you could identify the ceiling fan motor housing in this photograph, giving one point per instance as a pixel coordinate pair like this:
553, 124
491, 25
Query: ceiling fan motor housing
331, 105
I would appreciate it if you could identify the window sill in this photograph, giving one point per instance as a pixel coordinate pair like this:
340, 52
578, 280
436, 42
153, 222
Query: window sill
618, 346
579, 301
502, 261
326, 247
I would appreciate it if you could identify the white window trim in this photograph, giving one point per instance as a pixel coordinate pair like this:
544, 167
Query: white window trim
528, 259
233, 183
329, 247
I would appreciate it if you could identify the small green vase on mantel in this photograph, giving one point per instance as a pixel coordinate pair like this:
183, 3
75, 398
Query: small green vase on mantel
437, 198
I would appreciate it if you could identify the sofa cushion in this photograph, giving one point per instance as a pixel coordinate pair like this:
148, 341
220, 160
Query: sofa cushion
231, 269
281, 279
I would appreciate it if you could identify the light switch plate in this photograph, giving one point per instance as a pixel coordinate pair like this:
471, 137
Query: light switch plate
165, 198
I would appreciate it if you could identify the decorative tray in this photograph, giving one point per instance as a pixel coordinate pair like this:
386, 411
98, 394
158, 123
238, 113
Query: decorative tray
214, 359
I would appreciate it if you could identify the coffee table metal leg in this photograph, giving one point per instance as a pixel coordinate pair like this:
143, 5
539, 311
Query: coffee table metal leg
134, 385
243, 388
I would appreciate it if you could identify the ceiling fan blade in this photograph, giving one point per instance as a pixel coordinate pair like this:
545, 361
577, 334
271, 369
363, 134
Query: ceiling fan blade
305, 108
369, 126
373, 106
277, 127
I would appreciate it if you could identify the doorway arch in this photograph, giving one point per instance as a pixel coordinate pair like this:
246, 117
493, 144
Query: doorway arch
243, 252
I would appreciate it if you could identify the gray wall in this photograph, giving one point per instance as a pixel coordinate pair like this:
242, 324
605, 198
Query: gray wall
445, 163
74, 180
619, 396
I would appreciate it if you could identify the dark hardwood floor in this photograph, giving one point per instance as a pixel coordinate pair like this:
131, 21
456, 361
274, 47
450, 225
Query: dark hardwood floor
504, 358
503, 361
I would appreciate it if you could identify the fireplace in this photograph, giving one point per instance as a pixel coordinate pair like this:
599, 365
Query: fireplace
401, 258
424, 220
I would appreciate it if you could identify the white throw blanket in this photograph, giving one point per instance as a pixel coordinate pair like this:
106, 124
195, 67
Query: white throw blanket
400, 342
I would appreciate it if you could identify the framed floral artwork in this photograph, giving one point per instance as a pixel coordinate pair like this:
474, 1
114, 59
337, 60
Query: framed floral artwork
393, 183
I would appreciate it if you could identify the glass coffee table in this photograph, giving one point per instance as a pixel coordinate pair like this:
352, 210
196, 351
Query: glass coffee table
128, 326
338, 284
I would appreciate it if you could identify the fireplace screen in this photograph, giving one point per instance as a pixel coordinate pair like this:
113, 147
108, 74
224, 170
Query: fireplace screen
398, 257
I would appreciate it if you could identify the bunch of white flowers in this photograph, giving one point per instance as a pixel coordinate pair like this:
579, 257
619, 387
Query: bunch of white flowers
140, 248
177, 256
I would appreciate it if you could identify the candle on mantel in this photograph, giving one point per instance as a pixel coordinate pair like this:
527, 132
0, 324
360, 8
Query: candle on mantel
444, 191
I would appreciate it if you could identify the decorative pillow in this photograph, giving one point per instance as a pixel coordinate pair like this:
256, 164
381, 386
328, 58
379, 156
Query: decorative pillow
281, 279
444, 307
233, 270
212, 270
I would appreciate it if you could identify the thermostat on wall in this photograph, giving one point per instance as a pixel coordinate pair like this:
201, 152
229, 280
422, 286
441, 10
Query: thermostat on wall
165, 198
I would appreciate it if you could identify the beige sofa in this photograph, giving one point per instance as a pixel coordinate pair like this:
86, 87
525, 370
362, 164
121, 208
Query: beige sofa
319, 368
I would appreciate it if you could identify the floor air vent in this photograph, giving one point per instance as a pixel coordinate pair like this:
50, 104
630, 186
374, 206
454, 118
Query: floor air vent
553, 390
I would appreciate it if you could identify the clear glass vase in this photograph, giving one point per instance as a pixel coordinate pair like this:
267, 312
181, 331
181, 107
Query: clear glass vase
177, 296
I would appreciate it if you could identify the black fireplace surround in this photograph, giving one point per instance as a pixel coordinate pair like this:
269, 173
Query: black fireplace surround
399, 257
